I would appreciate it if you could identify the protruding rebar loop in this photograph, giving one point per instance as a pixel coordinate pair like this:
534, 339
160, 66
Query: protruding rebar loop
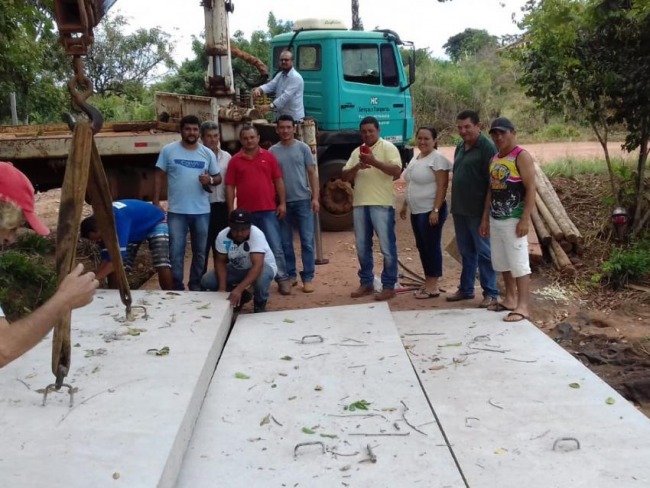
55, 387
304, 444
318, 339
559, 441
129, 309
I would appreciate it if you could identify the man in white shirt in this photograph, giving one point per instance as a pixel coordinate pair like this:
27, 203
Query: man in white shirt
244, 258
218, 206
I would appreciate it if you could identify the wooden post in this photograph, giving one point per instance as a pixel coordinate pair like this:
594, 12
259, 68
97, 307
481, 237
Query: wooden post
553, 227
542, 231
555, 207
561, 260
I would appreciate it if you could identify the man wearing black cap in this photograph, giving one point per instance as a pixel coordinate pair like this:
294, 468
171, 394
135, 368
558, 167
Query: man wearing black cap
244, 258
509, 203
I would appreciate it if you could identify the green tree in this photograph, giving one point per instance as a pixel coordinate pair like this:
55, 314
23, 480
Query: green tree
190, 77
121, 64
590, 58
469, 42
259, 45
32, 63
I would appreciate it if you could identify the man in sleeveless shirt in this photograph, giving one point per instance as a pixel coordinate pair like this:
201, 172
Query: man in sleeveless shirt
506, 218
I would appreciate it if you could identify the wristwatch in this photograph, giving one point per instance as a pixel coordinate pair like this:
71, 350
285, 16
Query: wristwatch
435, 210
272, 106
212, 180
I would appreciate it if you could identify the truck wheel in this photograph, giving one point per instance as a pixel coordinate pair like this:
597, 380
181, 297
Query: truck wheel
335, 197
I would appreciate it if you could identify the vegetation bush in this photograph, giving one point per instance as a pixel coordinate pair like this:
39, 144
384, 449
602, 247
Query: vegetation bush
560, 132
27, 279
626, 265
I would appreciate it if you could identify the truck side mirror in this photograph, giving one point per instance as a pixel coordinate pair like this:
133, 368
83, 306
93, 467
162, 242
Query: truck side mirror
411, 66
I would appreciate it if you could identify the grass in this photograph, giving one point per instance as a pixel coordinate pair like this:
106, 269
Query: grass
571, 167
27, 280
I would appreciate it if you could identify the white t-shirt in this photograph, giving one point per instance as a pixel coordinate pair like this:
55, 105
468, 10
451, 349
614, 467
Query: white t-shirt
421, 186
2, 314
219, 191
239, 254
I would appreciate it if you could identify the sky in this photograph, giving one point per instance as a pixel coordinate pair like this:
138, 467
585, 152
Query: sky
428, 23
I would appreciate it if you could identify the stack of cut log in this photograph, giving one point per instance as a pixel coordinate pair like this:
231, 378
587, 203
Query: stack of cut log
552, 227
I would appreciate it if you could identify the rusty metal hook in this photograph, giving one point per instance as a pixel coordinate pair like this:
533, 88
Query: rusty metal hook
81, 88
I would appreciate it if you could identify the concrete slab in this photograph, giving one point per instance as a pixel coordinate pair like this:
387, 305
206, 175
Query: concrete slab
503, 394
271, 393
133, 413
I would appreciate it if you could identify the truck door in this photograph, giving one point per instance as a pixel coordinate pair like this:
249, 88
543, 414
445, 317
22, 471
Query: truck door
371, 85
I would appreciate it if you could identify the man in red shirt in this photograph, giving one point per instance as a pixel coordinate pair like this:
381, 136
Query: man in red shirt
255, 179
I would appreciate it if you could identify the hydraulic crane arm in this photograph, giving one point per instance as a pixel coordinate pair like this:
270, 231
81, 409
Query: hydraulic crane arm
219, 79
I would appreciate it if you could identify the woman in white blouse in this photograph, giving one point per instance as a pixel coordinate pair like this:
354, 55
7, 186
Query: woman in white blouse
427, 178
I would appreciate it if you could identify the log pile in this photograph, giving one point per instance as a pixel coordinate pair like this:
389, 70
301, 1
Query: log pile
553, 227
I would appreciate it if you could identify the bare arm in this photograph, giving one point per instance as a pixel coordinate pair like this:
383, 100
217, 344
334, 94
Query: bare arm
526, 168
257, 261
442, 182
230, 197
484, 228
350, 174
282, 197
159, 179
76, 290
221, 271
312, 176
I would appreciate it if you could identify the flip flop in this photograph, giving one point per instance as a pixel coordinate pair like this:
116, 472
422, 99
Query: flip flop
422, 294
520, 316
499, 307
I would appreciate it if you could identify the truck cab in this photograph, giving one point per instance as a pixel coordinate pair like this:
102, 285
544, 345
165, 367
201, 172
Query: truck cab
348, 75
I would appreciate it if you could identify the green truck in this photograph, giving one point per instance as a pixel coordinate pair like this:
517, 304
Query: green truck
348, 75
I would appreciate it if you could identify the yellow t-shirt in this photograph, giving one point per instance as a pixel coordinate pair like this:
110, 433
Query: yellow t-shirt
373, 186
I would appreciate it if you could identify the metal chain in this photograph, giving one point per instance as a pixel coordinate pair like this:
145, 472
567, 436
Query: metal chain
79, 85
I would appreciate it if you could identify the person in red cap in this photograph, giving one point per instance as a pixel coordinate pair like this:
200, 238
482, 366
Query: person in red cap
76, 289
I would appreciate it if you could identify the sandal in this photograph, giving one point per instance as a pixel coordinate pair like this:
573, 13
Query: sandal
498, 307
423, 294
518, 317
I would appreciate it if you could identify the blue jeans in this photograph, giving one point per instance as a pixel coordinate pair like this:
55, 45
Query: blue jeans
369, 219
300, 216
428, 239
475, 252
178, 227
268, 223
236, 276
